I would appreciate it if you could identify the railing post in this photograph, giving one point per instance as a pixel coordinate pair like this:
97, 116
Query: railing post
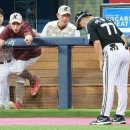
64, 77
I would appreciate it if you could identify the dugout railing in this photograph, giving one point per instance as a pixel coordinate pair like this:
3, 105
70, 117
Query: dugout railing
64, 45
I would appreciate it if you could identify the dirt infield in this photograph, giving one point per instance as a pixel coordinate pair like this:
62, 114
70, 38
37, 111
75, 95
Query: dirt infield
49, 121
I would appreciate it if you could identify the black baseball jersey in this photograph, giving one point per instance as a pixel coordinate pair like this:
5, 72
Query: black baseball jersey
104, 30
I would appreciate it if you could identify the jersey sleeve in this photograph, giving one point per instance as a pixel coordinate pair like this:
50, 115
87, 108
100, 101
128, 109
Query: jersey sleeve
4, 35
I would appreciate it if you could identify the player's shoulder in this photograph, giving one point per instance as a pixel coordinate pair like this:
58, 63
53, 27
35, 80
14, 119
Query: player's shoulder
25, 23
100, 19
94, 19
71, 25
52, 23
2, 28
6, 28
97, 20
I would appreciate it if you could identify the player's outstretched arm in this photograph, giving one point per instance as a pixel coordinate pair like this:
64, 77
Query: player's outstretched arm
123, 37
28, 39
98, 49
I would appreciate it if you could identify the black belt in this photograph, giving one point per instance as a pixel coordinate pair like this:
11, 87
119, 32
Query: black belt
5, 62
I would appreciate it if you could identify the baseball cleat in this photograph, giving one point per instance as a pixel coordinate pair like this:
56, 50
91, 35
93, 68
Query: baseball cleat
118, 119
101, 120
15, 105
35, 86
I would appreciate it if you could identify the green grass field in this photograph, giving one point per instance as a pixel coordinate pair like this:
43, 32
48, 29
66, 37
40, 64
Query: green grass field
59, 113
54, 113
64, 127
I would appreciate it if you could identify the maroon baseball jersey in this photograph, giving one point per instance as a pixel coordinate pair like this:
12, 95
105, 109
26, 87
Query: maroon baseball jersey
21, 53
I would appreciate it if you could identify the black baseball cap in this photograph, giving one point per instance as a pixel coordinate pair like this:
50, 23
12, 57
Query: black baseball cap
79, 15
1, 12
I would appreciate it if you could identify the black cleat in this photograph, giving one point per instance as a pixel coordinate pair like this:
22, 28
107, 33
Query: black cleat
118, 119
101, 120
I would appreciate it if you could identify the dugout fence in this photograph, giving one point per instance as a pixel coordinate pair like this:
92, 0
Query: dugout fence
83, 89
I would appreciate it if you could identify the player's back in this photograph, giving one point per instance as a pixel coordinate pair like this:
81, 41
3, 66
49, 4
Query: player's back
106, 30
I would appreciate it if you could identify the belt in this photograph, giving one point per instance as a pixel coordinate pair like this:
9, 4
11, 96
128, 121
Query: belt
5, 62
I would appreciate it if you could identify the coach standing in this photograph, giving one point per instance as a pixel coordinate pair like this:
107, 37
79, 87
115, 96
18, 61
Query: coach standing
109, 44
61, 27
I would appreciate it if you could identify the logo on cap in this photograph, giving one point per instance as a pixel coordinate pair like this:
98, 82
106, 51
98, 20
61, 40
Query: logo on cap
64, 10
15, 17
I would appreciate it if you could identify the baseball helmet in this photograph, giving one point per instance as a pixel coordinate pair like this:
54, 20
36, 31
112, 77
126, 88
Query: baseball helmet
79, 15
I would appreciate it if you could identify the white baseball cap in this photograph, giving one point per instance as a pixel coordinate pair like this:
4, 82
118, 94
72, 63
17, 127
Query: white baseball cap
64, 10
16, 17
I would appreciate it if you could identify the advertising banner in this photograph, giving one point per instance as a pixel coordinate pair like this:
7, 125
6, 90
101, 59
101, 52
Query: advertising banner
119, 15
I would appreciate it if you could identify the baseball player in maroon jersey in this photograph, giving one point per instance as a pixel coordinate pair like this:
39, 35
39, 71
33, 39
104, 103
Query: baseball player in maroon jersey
24, 57
109, 43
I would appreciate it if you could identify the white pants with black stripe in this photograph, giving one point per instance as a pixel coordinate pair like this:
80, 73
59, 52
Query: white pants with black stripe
115, 73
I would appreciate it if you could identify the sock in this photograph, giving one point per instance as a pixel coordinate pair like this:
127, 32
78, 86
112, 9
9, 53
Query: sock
19, 92
26, 75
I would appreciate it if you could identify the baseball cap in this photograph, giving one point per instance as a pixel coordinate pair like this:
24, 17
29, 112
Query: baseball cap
79, 15
1, 12
16, 17
64, 9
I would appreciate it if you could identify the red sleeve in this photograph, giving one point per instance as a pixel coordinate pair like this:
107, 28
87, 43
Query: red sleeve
5, 34
27, 29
